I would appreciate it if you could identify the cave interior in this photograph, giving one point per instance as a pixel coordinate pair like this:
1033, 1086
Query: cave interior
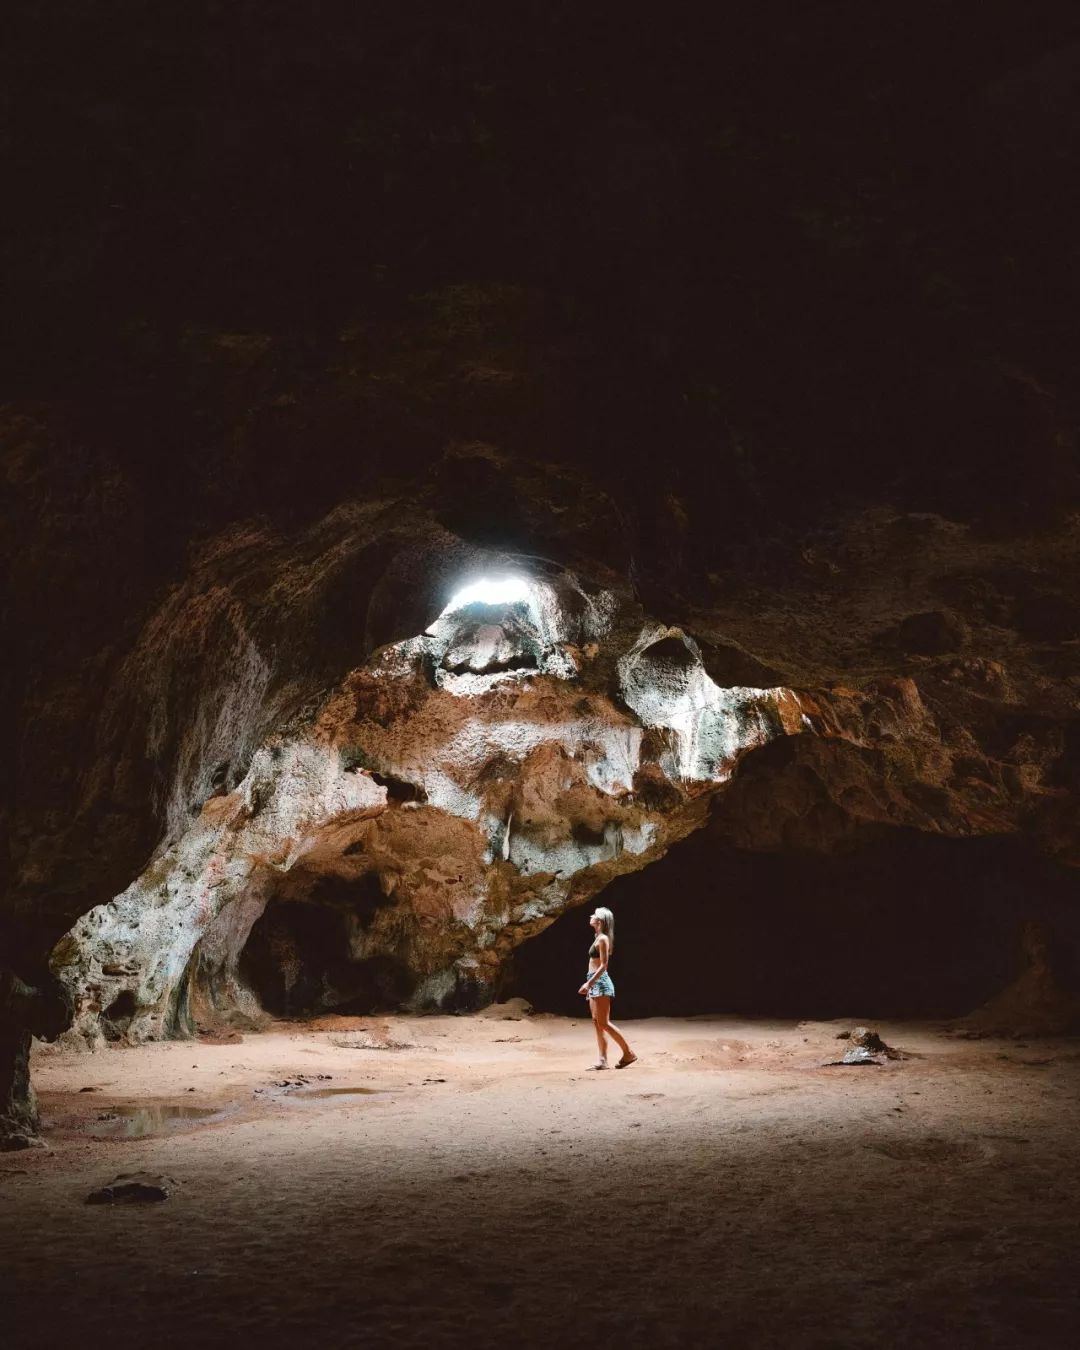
459, 472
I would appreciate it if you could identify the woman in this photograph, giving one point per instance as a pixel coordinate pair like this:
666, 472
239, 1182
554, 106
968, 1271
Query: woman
599, 990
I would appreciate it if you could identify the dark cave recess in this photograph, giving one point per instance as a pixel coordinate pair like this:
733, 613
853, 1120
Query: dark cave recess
908, 925
297, 959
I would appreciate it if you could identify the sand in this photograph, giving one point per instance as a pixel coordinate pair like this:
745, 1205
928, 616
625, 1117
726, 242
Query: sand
726, 1190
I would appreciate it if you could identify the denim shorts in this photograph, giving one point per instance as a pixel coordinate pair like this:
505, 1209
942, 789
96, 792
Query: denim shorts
603, 987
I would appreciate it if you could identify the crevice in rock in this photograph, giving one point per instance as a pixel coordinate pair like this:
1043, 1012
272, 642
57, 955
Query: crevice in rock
117, 1017
397, 789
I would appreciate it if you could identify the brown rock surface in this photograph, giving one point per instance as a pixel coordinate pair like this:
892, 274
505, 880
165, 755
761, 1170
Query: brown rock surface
248, 657
445, 809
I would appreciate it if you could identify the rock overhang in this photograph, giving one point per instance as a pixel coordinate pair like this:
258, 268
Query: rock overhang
485, 772
639, 717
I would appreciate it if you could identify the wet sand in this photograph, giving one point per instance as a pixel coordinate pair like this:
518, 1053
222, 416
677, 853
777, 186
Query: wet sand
485, 1190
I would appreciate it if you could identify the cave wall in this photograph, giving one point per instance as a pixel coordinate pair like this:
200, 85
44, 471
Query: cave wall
957, 719
491, 772
484, 775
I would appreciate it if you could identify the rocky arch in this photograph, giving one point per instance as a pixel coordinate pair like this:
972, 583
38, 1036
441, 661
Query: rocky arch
288, 714
491, 771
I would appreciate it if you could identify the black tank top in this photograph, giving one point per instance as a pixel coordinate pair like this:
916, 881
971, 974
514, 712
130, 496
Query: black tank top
594, 950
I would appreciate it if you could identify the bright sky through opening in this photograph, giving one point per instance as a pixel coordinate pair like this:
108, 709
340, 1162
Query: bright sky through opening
490, 591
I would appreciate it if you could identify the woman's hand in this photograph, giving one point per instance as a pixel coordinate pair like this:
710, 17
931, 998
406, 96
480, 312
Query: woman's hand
584, 989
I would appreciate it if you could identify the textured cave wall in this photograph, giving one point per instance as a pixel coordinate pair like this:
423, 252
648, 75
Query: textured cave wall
132, 699
942, 691
950, 740
452, 797
449, 799
24, 1012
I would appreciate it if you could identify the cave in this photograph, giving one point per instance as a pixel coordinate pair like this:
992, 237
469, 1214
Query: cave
296, 963
465, 476
116, 1018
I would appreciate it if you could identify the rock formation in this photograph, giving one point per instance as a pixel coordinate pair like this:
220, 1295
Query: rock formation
450, 798
353, 793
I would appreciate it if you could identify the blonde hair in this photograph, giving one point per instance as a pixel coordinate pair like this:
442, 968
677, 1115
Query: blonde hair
608, 920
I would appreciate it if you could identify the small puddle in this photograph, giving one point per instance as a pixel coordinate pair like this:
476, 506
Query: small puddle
337, 1092
145, 1120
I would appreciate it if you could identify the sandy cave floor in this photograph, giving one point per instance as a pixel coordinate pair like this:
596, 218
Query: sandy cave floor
725, 1190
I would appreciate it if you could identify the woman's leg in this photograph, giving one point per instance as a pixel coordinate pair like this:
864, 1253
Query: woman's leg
598, 1027
602, 1014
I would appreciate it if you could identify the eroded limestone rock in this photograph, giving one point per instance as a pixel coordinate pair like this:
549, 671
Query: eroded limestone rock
126, 961
453, 795
25, 1011
448, 799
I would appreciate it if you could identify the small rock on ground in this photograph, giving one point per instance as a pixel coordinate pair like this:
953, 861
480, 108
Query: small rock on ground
15, 1143
867, 1040
858, 1054
133, 1188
